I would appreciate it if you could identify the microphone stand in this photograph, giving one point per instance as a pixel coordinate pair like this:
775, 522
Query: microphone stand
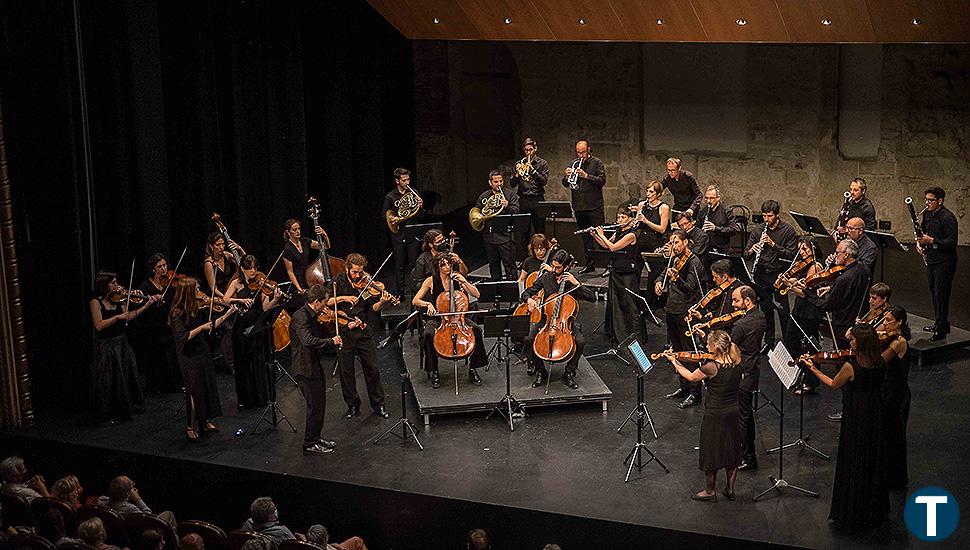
408, 429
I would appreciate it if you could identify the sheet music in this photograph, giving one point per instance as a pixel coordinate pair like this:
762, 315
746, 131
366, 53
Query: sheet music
779, 359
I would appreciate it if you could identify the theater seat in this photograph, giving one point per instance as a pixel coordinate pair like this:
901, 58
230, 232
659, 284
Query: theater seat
15, 510
40, 505
238, 537
138, 523
114, 524
29, 541
212, 535
299, 545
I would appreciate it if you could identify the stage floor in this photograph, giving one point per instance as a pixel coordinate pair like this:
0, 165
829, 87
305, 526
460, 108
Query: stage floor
569, 460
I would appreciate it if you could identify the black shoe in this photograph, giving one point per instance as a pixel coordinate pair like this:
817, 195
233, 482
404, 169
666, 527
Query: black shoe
540, 380
837, 417
435, 380
568, 381
474, 378
381, 411
728, 494
745, 465
352, 411
317, 449
530, 370
677, 394
605, 274
689, 401
326, 443
929, 329
589, 268
937, 336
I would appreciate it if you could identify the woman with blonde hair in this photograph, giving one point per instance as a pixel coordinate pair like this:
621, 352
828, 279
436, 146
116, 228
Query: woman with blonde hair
68, 490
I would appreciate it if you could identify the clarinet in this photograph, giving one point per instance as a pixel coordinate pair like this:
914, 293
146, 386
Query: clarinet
757, 255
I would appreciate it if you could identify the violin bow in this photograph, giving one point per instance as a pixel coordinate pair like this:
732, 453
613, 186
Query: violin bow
266, 278
336, 319
131, 279
212, 305
174, 273
372, 277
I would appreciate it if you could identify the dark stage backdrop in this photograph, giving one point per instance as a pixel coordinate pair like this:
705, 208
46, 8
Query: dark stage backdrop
240, 108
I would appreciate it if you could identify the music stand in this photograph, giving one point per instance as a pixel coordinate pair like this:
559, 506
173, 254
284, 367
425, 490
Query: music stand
641, 366
262, 328
408, 429
884, 241
498, 292
555, 210
507, 327
415, 232
810, 224
779, 358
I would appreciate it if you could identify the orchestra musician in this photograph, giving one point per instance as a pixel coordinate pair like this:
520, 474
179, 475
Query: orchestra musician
683, 288
358, 341
220, 268
654, 217
529, 180
683, 186
724, 284
498, 243
586, 195
939, 246
549, 283
699, 241
772, 244
296, 254
807, 315
716, 221
857, 205
445, 268
404, 252
896, 396
152, 340
855, 229
748, 333
433, 244
537, 249
622, 309
879, 295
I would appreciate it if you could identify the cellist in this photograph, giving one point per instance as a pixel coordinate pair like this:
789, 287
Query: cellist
550, 282
445, 268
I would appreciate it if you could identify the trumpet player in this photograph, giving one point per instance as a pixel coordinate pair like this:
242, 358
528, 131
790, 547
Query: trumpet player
858, 205
772, 245
498, 242
586, 177
404, 195
529, 180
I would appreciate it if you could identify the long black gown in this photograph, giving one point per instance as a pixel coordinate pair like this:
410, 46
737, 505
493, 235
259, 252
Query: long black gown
895, 400
153, 345
251, 352
115, 388
198, 372
859, 493
622, 310
720, 437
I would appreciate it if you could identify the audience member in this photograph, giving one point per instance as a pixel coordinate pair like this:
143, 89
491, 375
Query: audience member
91, 531
123, 497
551, 547
478, 540
264, 518
257, 544
68, 490
18, 481
150, 539
319, 535
51, 527
192, 541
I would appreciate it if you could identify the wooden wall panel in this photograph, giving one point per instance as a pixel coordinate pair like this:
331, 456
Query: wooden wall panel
488, 16
940, 20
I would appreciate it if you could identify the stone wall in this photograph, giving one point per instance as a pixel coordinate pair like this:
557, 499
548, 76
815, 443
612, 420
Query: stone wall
790, 104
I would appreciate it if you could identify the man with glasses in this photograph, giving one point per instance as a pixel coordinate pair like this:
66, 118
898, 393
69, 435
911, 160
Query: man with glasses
939, 245
859, 207
587, 196
683, 186
531, 187
716, 222
855, 229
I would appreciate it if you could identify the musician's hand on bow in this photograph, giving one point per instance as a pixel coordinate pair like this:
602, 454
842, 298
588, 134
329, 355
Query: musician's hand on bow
431, 309
571, 278
338, 341
533, 304
352, 300
658, 288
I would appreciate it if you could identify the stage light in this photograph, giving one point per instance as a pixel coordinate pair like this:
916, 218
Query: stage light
916, 21
660, 21
508, 20
581, 21
826, 22
741, 22
436, 20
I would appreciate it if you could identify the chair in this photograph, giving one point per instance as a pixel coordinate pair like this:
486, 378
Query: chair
138, 523
238, 537
30, 541
299, 545
76, 546
40, 505
16, 510
212, 535
114, 524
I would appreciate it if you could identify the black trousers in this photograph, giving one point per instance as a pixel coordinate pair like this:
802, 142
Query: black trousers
746, 424
528, 205
315, 394
356, 344
589, 218
571, 365
499, 256
405, 254
676, 327
795, 342
940, 277
764, 286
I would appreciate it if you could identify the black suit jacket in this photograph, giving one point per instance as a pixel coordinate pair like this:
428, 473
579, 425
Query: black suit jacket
307, 341
747, 333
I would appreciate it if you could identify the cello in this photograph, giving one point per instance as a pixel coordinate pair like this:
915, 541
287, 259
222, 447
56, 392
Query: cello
555, 340
453, 339
523, 308
321, 271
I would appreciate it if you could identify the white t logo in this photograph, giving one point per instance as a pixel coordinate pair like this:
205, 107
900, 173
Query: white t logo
931, 502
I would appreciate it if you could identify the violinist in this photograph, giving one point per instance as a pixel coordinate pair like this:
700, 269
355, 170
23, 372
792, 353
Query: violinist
115, 388
498, 243
720, 441
252, 345
220, 268
747, 333
190, 323
879, 294
896, 395
857, 205
351, 298
622, 309
717, 301
404, 252
807, 315
152, 339
306, 342
716, 222
549, 284
860, 495
654, 218
683, 289
296, 253
699, 241
772, 246
445, 268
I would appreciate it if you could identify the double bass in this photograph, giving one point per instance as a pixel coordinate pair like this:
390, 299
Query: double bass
221, 228
322, 270
555, 340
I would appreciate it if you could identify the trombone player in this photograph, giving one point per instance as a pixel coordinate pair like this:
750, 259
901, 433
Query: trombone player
497, 199
402, 205
529, 180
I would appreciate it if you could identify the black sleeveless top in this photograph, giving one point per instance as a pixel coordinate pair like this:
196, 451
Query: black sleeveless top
722, 389
627, 260
649, 239
300, 260
223, 276
116, 329
531, 264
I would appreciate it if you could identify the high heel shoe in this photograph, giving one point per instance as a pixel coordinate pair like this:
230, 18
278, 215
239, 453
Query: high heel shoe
191, 434
210, 427
702, 498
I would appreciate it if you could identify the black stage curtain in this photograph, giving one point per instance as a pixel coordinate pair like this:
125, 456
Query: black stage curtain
240, 108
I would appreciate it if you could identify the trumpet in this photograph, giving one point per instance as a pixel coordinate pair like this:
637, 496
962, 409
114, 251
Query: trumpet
407, 207
491, 207
592, 229
524, 169
573, 178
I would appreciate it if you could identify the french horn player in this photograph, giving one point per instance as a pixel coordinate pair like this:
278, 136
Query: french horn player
497, 199
402, 205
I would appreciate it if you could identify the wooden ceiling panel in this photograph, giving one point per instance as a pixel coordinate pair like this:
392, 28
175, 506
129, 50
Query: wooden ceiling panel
940, 20
562, 16
719, 19
639, 18
415, 18
489, 16
849, 20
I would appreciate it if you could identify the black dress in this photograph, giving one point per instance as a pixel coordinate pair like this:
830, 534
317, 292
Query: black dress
222, 336
895, 405
859, 494
300, 260
115, 389
153, 344
198, 373
622, 310
251, 352
720, 436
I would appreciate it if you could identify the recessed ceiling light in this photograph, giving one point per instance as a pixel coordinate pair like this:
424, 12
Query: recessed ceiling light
581, 21
508, 21
916, 21
826, 22
436, 20
741, 22
660, 21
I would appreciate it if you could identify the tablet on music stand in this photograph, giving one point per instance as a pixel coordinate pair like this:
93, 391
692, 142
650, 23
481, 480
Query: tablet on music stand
640, 359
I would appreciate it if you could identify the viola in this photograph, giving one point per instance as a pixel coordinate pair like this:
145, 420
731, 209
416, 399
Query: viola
838, 356
555, 340
716, 323
261, 283
281, 331
454, 338
781, 283
322, 269
327, 318
709, 297
677, 266
824, 276
685, 356
372, 288
120, 295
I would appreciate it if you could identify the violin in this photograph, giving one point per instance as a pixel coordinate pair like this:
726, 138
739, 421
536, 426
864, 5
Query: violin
523, 308
281, 331
824, 276
710, 296
205, 302
167, 278
685, 356
677, 266
838, 356
372, 288
781, 283
120, 295
327, 317
555, 340
716, 323
261, 283
221, 228
322, 269
874, 316
454, 338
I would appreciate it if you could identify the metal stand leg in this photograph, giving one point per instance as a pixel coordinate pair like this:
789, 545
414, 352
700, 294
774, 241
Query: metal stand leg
779, 483
408, 429
612, 352
635, 456
272, 414
508, 406
802, 440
